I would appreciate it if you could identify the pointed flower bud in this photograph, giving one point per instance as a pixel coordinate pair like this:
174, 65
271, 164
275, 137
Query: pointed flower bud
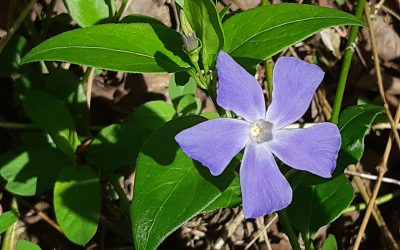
191, 44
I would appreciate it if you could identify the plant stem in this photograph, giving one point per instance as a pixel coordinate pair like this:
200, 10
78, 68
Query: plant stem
380, 200
265, 2
269, 64
121, 10
287, 227
350, 46
114, 180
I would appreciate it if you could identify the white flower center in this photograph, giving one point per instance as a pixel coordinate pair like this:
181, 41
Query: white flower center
261, 131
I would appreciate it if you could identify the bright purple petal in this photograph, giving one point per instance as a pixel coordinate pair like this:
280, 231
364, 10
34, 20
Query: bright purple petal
264, 189
238, 90
295, 82
215, 142
313, 149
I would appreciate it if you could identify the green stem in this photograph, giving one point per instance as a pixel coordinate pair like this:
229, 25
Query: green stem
288, 229
265, 2
269, 64
380, 200
11, 236
350, 46
125, 204
121, 10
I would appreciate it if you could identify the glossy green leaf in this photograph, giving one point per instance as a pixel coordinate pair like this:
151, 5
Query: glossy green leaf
65, 86
7, 219
26, 245
188, 105
137, 18
259, 33
170, 188
314, 206
77, 203
33, 171
330, 243
87, 12
181, 84
231, 197
51, 115
354, 124
205, 20
119, 144
180, 2
139, 47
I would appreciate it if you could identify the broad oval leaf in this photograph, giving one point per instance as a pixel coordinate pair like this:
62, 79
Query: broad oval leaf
205, 20
137, 47
330, 243
87, 12
7, 219
33, 171
170, 188
314, 206
77, 203
52, 115
119, 144
259, 33
26, 245
354, 124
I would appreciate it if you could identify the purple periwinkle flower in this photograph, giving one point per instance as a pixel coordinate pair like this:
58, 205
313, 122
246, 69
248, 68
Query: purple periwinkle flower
262, 133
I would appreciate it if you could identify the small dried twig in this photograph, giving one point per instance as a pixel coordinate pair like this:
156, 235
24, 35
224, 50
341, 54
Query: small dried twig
372, 177
231, 228
42, 215
379, 76
381, 168
263, 232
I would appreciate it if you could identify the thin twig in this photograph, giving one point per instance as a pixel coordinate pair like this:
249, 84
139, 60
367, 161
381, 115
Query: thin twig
372, 177
4, 41
379, 75
376, 214
88, 84
42, 215
261, 232
381, 168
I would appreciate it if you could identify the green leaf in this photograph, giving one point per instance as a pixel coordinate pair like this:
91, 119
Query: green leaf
329, 243
152, 115
77, 203
7, 219
33, 171
314, 206
170, 188
139, 47
205, 20
188, 105
65, 86
180, 2
26, 245
231, 197
119, 144
51, 115
354, 124
87, 12
259, 33
137, 18
181, 84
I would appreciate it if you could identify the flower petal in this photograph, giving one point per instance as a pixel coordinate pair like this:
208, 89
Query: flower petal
295, 82
264, 188
238, 90
215, 142
313, 149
